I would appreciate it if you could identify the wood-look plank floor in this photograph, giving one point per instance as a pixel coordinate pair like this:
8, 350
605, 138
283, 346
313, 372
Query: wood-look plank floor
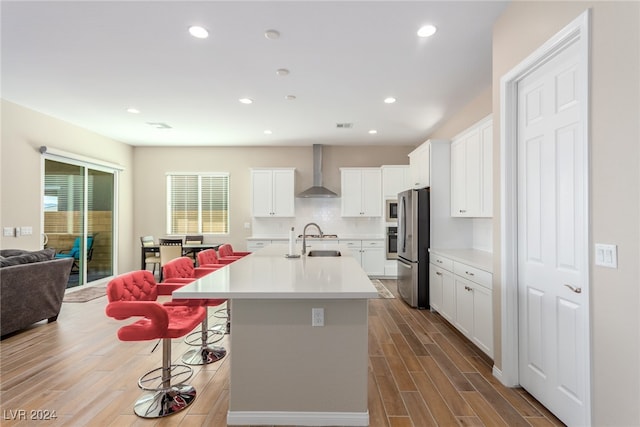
421, 373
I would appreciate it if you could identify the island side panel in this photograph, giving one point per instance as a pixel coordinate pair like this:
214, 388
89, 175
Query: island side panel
279, 362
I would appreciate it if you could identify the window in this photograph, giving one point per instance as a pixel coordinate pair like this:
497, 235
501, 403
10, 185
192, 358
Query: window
198, 203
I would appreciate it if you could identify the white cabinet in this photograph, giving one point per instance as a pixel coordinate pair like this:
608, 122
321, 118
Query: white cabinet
369, 253
419, 166
395, 178
254, 245
471, 171
361, 192
272, 192
462, 294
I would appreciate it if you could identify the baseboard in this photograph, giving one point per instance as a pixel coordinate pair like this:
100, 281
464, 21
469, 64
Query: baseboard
298, 418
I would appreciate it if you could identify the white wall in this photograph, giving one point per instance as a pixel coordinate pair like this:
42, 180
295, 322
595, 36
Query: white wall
23, 132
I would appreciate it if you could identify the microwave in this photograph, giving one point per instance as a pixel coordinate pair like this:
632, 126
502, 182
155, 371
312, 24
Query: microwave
391, 211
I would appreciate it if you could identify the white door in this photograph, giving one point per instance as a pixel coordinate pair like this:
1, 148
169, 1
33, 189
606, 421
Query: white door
552, 241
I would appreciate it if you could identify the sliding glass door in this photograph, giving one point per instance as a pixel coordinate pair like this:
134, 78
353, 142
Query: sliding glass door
78, 217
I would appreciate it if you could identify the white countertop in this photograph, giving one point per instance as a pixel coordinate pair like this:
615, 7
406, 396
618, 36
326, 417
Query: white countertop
473, 257
268, 274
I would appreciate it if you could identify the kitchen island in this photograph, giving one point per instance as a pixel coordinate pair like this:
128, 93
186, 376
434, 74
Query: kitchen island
284, 371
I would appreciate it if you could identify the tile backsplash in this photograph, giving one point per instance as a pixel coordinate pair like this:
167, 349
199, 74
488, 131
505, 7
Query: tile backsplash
325, 213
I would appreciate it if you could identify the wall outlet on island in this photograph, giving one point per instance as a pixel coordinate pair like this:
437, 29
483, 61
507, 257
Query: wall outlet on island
317, 317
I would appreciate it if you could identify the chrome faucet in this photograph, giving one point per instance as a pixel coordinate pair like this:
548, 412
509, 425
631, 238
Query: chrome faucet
304, 236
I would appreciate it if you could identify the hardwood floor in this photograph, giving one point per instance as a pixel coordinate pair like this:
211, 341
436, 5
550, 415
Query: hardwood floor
421, 373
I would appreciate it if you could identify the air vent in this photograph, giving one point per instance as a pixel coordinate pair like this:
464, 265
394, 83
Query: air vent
344, 125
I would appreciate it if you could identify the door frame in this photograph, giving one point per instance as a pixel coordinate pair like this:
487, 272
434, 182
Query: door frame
48, 153
577, 31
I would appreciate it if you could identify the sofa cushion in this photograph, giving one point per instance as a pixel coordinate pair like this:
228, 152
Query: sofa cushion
28, 257
6, 253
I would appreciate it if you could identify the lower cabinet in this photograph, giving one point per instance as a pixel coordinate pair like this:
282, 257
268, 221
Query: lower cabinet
254, 245
462, 295
369, 253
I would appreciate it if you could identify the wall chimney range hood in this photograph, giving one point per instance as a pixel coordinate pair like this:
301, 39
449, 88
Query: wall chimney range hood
317, 191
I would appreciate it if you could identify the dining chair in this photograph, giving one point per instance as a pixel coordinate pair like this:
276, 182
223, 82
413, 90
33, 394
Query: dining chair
197, 239
153, 257
169, 249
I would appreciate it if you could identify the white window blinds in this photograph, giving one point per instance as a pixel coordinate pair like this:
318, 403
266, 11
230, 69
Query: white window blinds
198, 203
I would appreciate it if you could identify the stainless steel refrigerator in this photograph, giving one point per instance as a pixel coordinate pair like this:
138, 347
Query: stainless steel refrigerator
413, 247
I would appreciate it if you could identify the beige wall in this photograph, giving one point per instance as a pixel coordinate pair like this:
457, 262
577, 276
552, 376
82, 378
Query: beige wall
23, 132
473, 112
152, 163
614, 186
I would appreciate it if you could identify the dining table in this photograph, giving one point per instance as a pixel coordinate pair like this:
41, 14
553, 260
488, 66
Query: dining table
186, 249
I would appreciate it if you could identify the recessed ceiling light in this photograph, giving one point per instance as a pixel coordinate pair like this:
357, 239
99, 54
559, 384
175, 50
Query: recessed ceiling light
427, 31
133, 110
373, 131
389, 100
246, 100
267, 132
290, 97
272, 34
282, 72
198, 32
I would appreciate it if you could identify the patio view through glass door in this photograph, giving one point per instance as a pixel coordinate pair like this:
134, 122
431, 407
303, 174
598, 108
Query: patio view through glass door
78, 218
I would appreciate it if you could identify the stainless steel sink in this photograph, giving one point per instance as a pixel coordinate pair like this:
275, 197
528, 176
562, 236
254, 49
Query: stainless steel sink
324, 253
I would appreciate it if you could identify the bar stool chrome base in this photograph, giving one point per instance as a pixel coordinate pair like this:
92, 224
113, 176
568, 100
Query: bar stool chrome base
165, 402
162, 398
204, 355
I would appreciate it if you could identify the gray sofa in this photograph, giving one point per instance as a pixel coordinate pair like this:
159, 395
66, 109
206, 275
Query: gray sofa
32, 286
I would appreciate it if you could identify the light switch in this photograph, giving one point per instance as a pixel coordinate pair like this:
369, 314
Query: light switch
26, 231
606, 255
8, 231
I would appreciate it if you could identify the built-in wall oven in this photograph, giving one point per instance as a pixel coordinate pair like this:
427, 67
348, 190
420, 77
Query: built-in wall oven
392, 210
392, 242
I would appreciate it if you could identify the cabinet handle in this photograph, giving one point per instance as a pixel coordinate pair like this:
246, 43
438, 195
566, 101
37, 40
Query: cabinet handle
576, 290
439, 261
468, 288
438, 273
463, 210
469, 274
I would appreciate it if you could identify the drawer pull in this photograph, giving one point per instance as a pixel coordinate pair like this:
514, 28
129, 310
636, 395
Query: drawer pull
463, 210
469, 274
468, 288
439, 261
438, 273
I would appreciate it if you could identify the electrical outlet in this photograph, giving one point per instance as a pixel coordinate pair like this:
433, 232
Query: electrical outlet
26, 231
317, 317
8, 231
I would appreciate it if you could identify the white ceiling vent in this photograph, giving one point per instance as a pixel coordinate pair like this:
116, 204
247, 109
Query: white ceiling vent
344, 125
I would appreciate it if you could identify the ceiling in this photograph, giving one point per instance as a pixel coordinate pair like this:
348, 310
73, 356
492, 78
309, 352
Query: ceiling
87, 62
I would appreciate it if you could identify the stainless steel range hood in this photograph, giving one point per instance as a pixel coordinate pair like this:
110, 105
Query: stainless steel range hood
317, 190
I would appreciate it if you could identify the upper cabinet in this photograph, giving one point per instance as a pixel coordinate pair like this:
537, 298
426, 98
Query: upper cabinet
395, 178
361, 192
419, 166
273, 192
471, 171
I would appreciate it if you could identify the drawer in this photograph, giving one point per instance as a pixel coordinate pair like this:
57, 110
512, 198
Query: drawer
354, 244
440, 261
372, 244
476, 275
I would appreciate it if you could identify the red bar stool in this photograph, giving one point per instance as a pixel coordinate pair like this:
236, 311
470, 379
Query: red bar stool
209, 259
135, 294
225, 252
180, 271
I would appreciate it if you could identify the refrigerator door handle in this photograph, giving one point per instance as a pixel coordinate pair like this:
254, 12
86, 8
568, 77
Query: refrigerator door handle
408, 266
404, 225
